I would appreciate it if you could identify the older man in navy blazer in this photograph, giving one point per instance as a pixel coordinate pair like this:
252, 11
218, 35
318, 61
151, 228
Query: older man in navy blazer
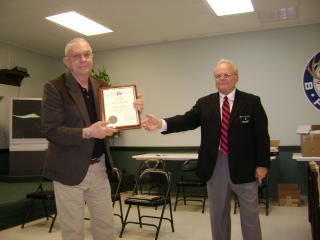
236, 162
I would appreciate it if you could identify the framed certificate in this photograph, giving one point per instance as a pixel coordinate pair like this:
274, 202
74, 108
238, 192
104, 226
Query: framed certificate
116, 107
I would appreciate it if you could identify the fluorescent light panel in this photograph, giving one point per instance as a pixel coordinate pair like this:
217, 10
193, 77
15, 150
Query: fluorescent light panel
228, 7
79, 23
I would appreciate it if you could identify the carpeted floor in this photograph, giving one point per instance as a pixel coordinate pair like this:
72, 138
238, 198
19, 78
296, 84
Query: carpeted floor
190, 224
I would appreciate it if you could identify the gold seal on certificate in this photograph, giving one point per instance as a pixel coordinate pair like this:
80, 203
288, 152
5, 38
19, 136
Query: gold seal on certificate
116, 107
112, 119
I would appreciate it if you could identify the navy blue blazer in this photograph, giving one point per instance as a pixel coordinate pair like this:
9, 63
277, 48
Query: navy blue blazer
249, 141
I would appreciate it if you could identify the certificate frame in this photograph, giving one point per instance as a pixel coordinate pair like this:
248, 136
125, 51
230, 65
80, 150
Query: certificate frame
116, 105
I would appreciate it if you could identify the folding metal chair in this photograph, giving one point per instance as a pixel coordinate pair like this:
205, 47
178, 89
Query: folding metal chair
115, 179
45, 196
150, 177
191, 182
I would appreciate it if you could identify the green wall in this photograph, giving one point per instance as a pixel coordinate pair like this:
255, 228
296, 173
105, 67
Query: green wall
283, 169
4, 161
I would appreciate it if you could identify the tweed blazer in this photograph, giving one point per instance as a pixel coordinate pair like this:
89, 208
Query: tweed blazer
64, 115
249, 141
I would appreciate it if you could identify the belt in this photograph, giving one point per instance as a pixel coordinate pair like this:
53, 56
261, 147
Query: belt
94, 160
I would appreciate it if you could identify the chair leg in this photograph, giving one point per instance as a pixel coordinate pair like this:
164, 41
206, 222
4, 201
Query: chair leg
28, 215
235, 204
204, 203
45, 209
159, 191
113, 201
125, 221
263, 195
52, 223
120, 215
177, 197
121, 211
139, 215
171, 215
160, 221
184, 195
267, 201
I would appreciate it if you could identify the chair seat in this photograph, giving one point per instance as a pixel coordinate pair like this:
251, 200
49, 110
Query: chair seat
145, 200
47, 195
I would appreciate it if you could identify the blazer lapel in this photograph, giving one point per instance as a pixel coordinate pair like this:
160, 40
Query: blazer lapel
95, 88
76, 94
216, 108
236, 106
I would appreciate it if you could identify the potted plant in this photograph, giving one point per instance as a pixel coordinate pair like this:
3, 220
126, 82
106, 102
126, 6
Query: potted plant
101, 74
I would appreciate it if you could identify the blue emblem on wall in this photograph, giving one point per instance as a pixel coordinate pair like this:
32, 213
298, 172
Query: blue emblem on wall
311, 81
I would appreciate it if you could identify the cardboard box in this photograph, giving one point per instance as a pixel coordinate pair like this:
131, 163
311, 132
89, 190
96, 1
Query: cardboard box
274, 143
289, 195
274, 147
310, 145
310, 140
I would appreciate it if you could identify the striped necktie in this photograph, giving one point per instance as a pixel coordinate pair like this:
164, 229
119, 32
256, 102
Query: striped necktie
225, 126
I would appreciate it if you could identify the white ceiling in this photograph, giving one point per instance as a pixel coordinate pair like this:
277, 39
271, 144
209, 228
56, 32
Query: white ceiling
137, 22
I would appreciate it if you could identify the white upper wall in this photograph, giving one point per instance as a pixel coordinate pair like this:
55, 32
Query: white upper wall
41, 68
172, 76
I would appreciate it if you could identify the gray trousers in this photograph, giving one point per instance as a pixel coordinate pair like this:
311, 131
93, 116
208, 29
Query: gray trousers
219, 195
94, 191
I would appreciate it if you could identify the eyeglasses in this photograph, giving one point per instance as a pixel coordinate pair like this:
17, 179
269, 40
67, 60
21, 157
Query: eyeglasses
224, 75
79, 56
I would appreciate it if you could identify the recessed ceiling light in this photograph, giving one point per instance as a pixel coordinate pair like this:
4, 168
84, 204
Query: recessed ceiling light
79, 23
228, 7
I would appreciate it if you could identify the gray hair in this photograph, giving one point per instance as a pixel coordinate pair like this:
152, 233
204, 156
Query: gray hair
234, 66
69, 44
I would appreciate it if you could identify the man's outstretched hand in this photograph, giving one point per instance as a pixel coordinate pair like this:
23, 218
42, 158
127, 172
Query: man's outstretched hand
151, 122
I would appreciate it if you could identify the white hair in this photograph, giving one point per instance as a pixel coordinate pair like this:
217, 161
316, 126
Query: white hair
234, 66
69, 44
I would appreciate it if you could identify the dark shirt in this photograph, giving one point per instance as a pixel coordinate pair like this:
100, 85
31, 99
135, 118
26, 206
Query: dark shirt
99, 147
